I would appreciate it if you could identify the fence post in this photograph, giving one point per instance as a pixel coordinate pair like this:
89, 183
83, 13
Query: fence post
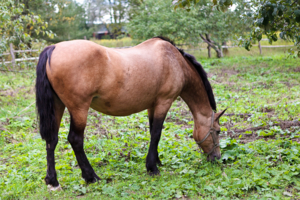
12, 53
259, 46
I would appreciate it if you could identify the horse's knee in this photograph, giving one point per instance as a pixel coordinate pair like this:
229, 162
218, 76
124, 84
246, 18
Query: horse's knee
75, 140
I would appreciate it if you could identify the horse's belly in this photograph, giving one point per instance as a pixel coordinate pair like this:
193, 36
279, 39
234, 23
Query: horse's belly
120, 107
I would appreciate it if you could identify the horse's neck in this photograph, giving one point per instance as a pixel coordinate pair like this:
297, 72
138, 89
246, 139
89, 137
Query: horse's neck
195, 96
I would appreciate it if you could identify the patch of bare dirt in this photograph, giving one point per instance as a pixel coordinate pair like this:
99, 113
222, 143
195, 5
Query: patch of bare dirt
246, 138
267, 110
297, 69
7, 93
250, 137
227, 72
282, 124
209, 75
12, 92
289, 84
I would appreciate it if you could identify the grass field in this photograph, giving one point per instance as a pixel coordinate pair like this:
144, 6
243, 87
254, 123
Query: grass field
260, 153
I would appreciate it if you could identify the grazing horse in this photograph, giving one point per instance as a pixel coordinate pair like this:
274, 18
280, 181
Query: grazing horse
80, 74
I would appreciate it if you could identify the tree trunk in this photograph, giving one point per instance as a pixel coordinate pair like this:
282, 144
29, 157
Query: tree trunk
212, 45
225, 50
259, 46
208, 46
219, 53
209, 51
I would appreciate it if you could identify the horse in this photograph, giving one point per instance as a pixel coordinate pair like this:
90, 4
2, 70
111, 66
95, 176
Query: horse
80, 74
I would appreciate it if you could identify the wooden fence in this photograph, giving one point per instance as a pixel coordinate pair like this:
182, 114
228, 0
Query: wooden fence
13, 57
259, 46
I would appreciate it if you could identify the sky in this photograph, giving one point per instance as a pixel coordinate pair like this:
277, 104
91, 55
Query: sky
80, 1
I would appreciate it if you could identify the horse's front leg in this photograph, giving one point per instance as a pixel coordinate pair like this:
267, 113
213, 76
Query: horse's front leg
76, 137
156, 123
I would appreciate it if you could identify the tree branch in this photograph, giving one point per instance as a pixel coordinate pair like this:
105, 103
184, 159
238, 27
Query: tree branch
212, 45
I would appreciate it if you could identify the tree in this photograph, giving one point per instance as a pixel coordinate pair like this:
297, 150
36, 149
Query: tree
153, 18
219, 27
66, 18
116, 10
16, 25
96, 10
268, 17
68, 21
275, 16
200, 23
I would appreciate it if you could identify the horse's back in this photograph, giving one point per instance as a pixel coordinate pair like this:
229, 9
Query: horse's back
116, 82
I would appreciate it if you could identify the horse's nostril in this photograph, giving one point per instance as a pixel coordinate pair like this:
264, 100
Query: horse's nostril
213, 157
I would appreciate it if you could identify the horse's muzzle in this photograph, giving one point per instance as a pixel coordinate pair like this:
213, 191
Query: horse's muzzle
213, 157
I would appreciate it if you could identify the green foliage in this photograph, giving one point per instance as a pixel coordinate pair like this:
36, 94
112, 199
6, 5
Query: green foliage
16, 26
66, 19
276, 16
220, 4
268, 17
155, 18
254, 165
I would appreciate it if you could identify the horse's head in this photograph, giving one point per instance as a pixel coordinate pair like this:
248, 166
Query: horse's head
209, 138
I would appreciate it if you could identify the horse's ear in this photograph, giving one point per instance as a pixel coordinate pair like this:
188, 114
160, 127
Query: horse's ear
218, 115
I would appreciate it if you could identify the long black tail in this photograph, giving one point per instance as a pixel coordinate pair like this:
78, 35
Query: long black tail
44, 96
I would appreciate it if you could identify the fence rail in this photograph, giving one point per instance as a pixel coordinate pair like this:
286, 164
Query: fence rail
20, 60
23, 51
259, 46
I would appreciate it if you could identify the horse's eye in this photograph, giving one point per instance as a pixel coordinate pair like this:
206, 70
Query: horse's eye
218, 132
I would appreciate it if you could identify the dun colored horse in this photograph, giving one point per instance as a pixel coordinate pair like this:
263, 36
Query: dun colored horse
80, 74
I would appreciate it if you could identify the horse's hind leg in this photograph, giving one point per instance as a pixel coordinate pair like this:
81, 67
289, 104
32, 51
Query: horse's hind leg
151, 117
76, 137
51, 177
159, 115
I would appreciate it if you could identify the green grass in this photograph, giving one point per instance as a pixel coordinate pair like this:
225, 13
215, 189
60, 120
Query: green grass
257, 165
126, 41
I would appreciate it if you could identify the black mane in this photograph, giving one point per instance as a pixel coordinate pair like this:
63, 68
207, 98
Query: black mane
200, 71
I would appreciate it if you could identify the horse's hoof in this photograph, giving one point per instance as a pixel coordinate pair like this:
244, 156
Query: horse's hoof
51, 181
53, 188
93, 180
96, 178
154, 173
